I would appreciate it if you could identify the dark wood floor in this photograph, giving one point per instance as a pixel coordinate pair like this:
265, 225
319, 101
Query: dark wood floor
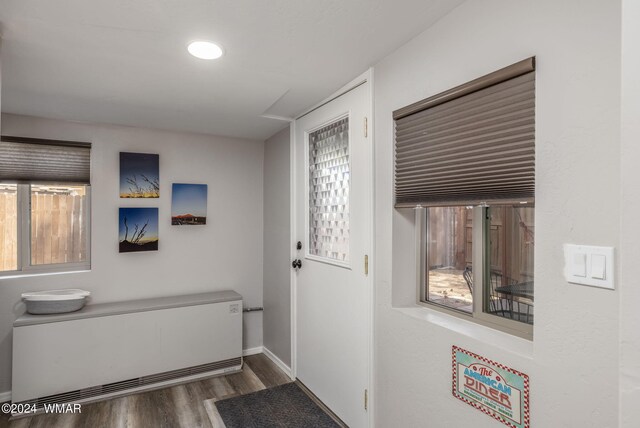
190, 405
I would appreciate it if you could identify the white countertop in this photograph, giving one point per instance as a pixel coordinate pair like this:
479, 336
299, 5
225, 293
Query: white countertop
131, 306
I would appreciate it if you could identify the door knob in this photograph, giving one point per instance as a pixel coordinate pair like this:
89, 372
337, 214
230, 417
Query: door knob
297, 264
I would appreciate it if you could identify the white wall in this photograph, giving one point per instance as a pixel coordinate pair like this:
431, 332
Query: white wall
573, 359
629, 209
0, 80
224, 254
277, 247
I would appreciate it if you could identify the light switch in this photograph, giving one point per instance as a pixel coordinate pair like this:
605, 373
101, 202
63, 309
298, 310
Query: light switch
589, 265
579, 264
598, 266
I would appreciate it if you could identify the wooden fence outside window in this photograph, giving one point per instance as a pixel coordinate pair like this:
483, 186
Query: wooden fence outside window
57, 227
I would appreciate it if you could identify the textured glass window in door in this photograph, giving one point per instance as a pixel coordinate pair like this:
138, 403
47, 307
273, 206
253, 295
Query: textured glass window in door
329, 191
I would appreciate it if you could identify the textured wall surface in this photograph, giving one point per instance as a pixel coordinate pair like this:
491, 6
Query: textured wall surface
573, 359
629, 208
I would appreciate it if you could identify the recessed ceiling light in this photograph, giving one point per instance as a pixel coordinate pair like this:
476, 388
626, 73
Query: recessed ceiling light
205, 50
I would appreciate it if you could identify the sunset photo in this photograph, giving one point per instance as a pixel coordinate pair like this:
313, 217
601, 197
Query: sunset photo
139, 175
138, 229
188, 204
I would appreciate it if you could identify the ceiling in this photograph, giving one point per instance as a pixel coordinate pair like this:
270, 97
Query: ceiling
125, 61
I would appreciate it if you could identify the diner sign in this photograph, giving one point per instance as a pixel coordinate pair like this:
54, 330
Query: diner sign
499, 391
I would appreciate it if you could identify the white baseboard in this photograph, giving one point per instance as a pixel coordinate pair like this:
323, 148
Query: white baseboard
5, 396
252, 351
278, 362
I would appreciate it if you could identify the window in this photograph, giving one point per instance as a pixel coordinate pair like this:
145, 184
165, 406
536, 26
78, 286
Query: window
329, 192
465, 162
8, 227
503, 257
44, 206
449, 257
510, 241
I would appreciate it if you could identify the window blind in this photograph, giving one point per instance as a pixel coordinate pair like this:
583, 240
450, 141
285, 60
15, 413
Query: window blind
44, 161
474, 143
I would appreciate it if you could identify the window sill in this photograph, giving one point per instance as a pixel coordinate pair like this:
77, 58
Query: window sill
513, 344
36, 273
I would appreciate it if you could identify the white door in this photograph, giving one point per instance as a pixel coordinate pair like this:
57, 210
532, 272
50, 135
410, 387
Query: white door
332, 221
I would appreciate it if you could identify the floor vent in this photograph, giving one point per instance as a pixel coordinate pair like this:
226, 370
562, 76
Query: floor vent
96, 391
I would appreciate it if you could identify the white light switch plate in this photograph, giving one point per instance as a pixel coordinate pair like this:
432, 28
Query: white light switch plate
589, 265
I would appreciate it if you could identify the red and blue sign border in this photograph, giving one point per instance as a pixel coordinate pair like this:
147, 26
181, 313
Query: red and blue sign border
525, 407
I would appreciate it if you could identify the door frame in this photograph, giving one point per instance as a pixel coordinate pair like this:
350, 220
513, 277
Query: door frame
366, 77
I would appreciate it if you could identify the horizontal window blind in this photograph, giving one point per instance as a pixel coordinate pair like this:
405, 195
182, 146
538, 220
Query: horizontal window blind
472, 144
44, 161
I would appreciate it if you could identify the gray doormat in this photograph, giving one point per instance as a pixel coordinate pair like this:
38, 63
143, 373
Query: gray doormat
281, 406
